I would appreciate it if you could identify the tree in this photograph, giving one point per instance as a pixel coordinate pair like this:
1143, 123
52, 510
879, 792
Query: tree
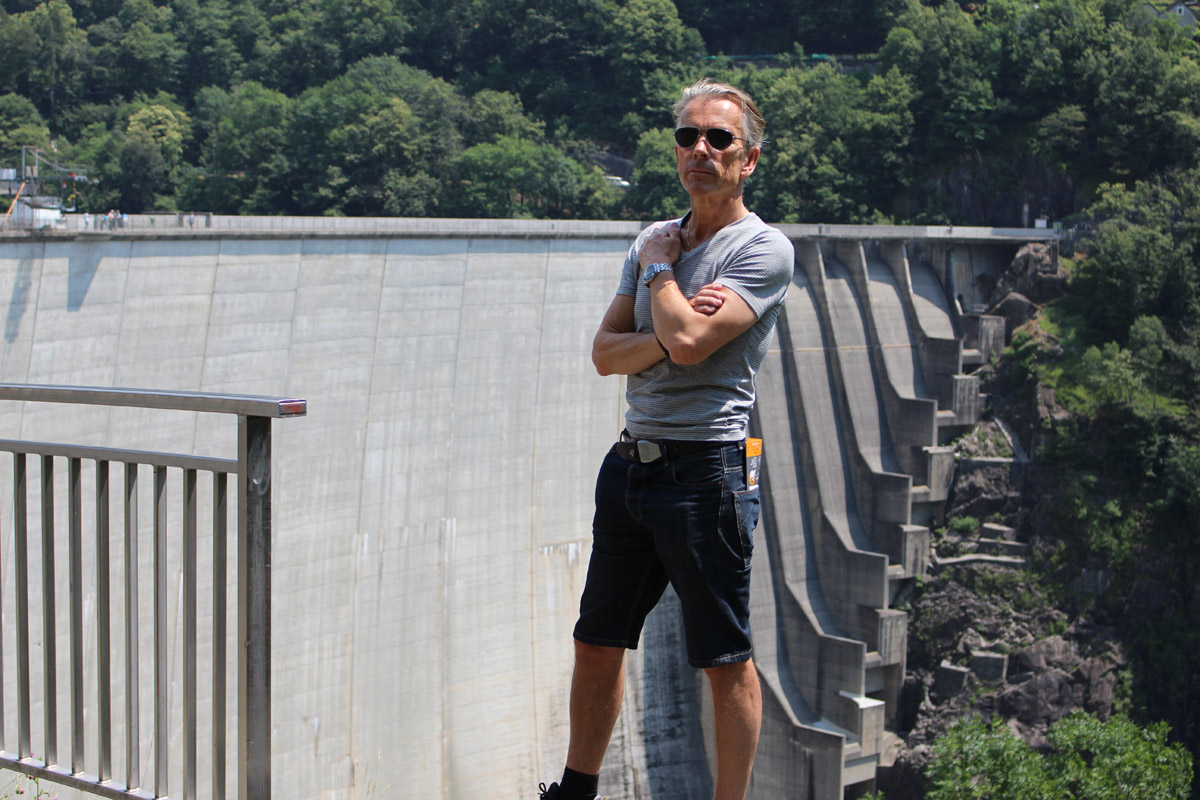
1110, 374
331, 131
43, 56
1147, 340
494, 114
1117, 760
1145, 256
841, 153
20, 124
980, 761
167, 127
135, 51
646, 41
244, 166
656, 193
1089, 759
1147, 112
514, 178
141, 173
943, 52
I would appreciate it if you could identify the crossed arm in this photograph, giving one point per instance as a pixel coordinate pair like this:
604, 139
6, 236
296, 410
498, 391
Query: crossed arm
690, 330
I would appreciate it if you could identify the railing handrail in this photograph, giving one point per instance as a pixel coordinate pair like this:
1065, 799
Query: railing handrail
243, 405
251, 473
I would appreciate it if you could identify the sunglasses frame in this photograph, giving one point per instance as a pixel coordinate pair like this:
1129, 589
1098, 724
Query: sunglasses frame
703, 132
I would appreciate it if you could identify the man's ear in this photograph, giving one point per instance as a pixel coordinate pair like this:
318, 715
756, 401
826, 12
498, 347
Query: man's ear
751, 162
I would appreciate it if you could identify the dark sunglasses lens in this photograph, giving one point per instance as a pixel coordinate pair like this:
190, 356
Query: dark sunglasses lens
718, 138
686, 137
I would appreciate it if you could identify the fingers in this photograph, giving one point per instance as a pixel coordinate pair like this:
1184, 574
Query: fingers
709, 299
663, 244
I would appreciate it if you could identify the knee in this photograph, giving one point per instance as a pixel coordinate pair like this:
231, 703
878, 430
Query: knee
740, 675
595, 658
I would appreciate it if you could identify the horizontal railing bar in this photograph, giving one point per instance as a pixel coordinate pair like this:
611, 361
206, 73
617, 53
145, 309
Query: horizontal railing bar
81, 780
241, 404
179, 460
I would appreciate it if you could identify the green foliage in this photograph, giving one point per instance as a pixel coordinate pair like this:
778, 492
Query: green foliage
1087, 760
20, 124
964, 113
1144, 259
515, 178
844, 151
1110, 374
976, 761
1116, 759
656, 192
964, 526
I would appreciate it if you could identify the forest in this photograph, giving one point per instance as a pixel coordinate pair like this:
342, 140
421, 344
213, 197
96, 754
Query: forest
992, 113
979, 112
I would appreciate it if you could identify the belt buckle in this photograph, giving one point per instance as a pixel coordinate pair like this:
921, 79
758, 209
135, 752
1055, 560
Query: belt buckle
648, 451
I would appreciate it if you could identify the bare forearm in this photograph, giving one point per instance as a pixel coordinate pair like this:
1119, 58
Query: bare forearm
692, 330
616, 353
676, 321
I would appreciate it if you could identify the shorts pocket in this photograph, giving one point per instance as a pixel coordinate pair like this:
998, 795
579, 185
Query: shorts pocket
747, 505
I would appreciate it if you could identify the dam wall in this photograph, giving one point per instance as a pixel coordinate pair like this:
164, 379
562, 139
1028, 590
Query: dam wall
433, 509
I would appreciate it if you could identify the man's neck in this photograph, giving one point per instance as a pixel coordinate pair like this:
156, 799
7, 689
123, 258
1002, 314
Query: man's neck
705, 220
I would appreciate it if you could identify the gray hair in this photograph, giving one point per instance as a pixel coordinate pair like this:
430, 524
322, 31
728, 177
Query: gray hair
753, 124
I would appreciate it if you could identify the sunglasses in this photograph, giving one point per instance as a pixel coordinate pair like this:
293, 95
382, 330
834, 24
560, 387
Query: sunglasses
718, 138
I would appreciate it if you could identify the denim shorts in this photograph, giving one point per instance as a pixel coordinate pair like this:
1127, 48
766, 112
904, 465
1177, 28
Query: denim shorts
688, 520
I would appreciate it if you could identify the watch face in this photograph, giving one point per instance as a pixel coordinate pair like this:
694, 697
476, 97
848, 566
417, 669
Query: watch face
652, 271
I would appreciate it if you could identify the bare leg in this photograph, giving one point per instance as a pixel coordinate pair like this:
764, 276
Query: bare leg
597, 687
737, 710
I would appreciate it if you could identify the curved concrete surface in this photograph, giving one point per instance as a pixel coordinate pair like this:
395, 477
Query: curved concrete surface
899, 350
861, 384
432, 511
929, 300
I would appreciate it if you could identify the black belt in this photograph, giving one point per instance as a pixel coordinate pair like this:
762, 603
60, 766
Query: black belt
647, 451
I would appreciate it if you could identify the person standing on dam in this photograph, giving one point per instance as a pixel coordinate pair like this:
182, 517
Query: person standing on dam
690, 324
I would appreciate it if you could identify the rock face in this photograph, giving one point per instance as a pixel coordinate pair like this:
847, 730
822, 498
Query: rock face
962, 624
1034, 275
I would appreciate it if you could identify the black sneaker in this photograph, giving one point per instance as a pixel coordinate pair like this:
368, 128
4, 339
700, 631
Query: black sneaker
551, 792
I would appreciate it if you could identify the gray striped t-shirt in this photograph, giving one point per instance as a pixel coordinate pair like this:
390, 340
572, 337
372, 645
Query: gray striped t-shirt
710, 400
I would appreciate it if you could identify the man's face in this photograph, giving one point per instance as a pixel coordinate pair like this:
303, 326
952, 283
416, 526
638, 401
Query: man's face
703, 169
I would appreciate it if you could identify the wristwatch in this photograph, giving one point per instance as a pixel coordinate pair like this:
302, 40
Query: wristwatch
651, 272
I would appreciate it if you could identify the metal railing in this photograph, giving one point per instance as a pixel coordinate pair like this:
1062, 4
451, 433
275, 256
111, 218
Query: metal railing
252, 474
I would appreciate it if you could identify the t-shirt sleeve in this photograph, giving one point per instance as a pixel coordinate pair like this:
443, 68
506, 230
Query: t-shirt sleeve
632, 269
629, 272
761, 271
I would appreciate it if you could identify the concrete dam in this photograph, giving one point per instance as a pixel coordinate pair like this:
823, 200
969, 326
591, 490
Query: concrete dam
432, 511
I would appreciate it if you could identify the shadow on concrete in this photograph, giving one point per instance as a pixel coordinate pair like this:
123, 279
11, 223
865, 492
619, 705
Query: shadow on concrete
81, 268
674, 740
19, 301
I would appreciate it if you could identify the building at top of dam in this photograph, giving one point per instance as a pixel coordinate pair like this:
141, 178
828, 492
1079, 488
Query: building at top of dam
432, 510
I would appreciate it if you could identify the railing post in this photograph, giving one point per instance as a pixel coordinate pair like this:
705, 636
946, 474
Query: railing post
254, 608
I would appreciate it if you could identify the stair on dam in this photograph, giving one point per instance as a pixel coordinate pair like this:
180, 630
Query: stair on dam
867, 383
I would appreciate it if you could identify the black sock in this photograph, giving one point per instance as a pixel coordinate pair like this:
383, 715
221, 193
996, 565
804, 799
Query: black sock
578, 786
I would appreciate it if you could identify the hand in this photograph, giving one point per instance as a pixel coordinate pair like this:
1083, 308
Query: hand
662, 245
709, 299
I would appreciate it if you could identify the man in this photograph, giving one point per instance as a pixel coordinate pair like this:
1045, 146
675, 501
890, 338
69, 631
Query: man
690, 325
